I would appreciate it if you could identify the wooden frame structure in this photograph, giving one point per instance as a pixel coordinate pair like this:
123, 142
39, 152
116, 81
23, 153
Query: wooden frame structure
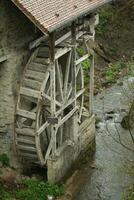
50, 105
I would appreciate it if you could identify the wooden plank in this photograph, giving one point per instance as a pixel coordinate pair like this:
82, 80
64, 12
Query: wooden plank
64, 119
30, 92
43, 61
63, 38
69, 91
49, 98
70, 102
35, 75
28, 155
49, 149
43, 54
42, 128
68, 66
25, 131
53, 108
77, 62
59, 74
26, 114
26, 148
32, 84
60, 52
91, 95
37, 42
25, 141
38, 67
39, 152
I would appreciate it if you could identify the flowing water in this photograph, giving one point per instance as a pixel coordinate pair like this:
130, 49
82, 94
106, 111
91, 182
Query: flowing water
113, 170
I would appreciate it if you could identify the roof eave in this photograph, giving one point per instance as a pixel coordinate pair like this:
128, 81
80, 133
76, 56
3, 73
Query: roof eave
51, 29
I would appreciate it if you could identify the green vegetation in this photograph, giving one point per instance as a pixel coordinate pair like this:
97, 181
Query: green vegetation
36, 190
106, 15
32, 190
4, 159
86, 63
129, 194
4, 195
113, 71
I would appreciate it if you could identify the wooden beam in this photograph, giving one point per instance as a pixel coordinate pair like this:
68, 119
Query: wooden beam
61, 52
91, 95
70, 102
26, 114
42, 128
64, 119
37, 42
80, 60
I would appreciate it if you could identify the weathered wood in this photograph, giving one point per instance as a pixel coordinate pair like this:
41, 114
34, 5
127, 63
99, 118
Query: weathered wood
62, 51
70, 102
59, 80
91, 95
42, 128
26, 114
29, 156
44, 61
39, 152
35, 75
25, 141
26, 148
38, 67
50, 99
64, 119
30, 92
68, 66
37, 42
77, 62
33, 84
25, 131
53, 108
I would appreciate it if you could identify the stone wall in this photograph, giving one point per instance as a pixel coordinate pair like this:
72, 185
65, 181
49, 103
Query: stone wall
16, 31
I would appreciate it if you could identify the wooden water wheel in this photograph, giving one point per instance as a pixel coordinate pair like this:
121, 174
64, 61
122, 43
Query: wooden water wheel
50, 103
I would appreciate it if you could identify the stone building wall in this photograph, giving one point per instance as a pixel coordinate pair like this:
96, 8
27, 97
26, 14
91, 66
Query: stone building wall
16, 31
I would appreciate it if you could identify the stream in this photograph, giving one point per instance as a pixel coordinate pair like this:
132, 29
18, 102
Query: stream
113, 166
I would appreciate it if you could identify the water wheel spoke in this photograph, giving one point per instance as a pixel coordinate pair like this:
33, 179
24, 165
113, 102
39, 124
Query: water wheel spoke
60, 80
42, 128
69, 91
45, 96
68, 66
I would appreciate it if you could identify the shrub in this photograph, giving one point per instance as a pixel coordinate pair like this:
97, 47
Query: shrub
4, 159
36, 190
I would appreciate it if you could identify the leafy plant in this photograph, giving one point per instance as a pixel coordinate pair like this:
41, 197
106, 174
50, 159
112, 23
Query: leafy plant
4, 159
105, 16
36, 190
86, 63
4, 195
113, 70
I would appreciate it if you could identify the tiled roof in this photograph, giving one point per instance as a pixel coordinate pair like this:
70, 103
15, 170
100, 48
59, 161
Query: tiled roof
49, 15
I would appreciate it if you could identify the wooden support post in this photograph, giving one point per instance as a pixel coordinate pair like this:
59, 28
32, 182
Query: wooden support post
73, 66
52, 85
91, 87
73, 32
